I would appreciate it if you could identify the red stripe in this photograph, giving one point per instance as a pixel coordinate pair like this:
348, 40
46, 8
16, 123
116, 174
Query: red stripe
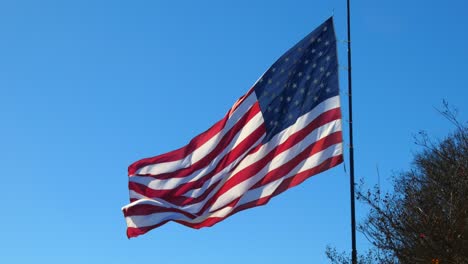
222, 144
291, 182
180, 200
291, 141
147, 209
184, 200
136, 231
195, 143
254, 168
177, 192
177, 200
277, 173
324, 118
179, 153
210, 220
286, 184
324, 143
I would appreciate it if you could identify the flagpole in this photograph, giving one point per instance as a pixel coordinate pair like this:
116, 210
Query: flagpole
351, 146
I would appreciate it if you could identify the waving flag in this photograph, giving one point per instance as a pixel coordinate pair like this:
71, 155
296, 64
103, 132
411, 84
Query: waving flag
286, 128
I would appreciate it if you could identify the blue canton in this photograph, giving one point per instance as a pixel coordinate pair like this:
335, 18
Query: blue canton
302, 78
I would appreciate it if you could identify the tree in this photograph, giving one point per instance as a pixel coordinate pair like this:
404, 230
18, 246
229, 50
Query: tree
369, 257
425, 218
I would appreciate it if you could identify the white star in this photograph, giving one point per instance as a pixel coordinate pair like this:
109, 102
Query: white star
282, 70
328, 90
328, 58
315, 98
306, 61
290, 116
319, 39
315, 81
320, 53
327, 42
276, 110
299, 49
314, 65
299, 74
322, 69
312, 40
273, 69
313, 51
281, 98
302, 90
325, 28
308, 77
269, 81
296, 102
328, 74
322, 85
294, 85
287, 59
288, 98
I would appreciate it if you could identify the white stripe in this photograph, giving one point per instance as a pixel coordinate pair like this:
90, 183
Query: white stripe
156, 218
309, 163
281, 137
199, 191
302, 122
275, 163
279, 160
171, 183
315, 135
207, 147
135, 195
251, 195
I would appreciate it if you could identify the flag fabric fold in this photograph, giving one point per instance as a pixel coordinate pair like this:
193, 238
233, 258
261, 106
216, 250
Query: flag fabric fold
285, 129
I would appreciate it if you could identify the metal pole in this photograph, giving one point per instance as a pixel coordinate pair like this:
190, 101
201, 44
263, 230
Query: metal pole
351, 146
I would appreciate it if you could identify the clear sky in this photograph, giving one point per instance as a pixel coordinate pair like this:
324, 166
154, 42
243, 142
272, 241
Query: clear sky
88, 87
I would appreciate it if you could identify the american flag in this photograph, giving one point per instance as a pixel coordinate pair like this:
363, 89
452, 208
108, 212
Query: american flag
285, 129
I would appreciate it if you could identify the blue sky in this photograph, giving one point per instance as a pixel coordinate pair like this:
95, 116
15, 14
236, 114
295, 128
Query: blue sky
88, 87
